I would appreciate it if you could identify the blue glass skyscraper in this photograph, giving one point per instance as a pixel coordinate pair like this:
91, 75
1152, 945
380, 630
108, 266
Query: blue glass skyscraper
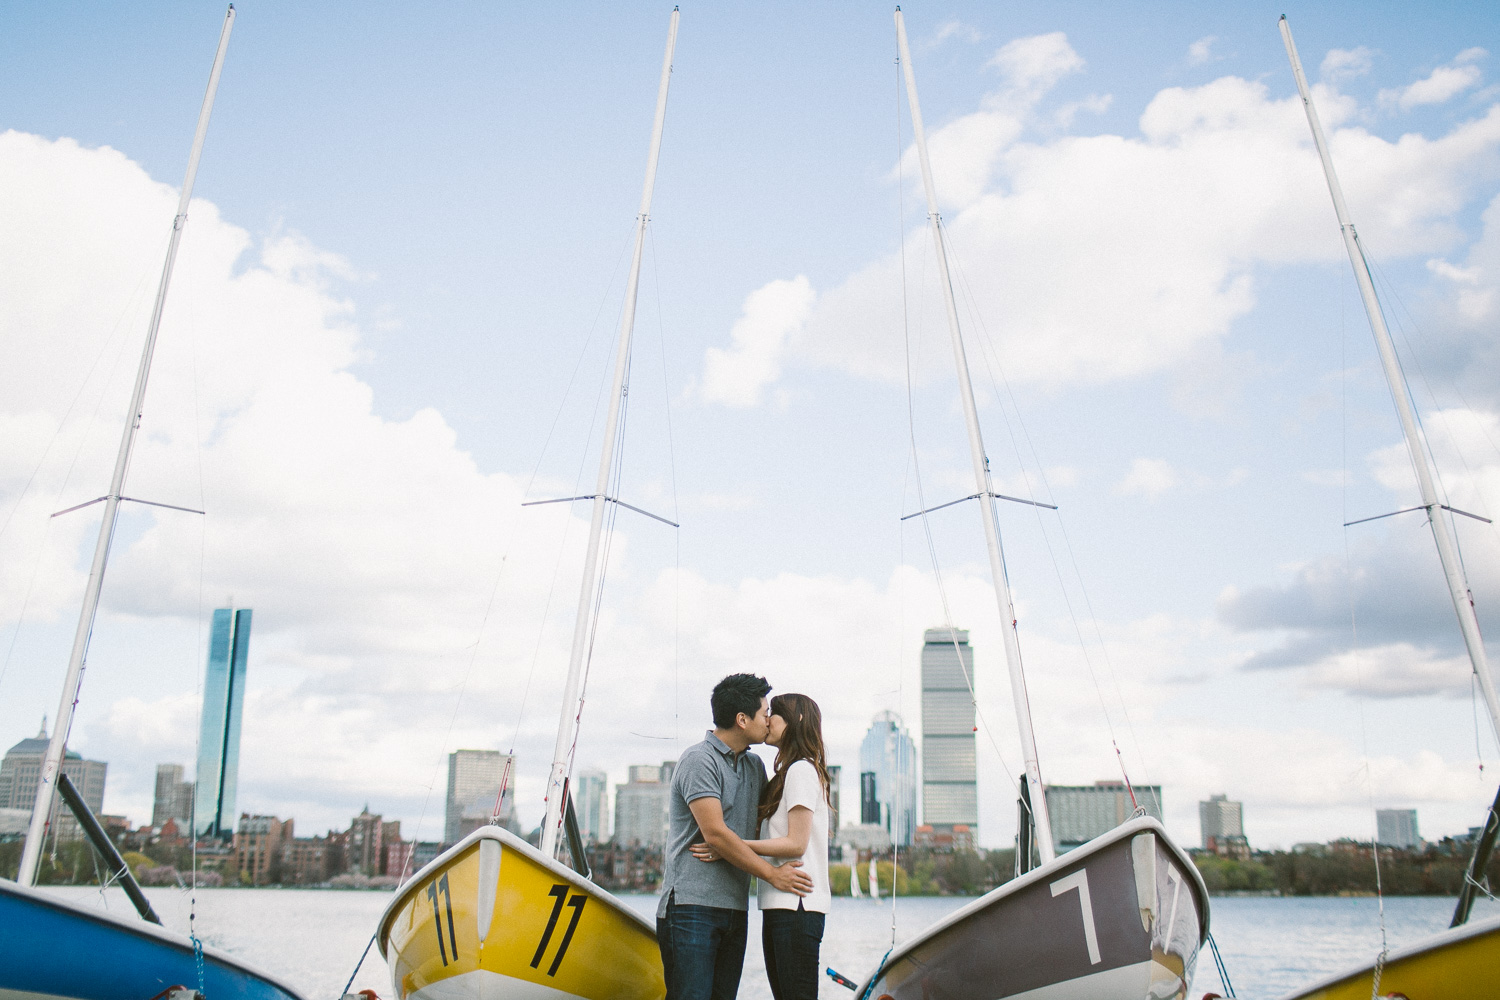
219, 738
889, 757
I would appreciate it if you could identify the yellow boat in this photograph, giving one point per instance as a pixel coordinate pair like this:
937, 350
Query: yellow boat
492, 917
1462, 963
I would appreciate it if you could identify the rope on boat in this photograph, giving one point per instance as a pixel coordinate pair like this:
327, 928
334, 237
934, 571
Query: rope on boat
362, 956
1219, 966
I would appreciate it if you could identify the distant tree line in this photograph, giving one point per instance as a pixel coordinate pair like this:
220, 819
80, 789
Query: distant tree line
1345, 868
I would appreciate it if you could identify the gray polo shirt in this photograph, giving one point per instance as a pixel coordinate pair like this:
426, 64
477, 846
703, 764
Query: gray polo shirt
712, 769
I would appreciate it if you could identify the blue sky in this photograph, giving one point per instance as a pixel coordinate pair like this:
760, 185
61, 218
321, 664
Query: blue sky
411, 232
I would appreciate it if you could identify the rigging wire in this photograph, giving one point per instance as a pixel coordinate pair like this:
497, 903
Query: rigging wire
989, 356
1359, 701
130, 308
666, 393
938, 574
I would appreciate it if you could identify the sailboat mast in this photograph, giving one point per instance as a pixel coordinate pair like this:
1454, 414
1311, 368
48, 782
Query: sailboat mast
583, 623
981, 473
52, 763
1453, 571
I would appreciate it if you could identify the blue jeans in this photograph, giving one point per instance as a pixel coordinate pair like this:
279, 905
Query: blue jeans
791, 939
702, 951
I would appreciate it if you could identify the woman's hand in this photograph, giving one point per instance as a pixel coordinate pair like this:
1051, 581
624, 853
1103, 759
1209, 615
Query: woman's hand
703, 852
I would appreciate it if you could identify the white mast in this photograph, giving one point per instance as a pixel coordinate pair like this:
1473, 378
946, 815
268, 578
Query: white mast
52, 763
981, 474
1416, 445
582, 626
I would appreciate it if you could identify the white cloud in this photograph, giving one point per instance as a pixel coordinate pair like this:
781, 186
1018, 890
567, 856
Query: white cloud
1442, 84
1088, 259
1397, 670
1345, 64
772, 313
1148, 477
1032, 66
955, 29
1202, 50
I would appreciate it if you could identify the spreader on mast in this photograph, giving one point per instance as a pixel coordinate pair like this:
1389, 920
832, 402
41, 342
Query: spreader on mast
986, 496
31, 855
1416, 444
567, 720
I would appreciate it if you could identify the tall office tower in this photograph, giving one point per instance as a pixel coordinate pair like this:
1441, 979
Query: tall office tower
641, 805
21, 772
174, 797
889, 754
835, 775
1082, 812
590, 790
869, 798
1397, 828
1219, 820
950, 787
474, 779
217, 777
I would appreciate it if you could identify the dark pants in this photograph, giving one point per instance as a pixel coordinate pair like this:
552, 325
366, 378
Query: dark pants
791, 939
702, 951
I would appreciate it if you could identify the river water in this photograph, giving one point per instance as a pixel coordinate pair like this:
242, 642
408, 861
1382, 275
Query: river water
311, 939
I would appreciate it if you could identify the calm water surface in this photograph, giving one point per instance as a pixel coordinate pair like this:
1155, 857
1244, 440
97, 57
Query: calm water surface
311, 939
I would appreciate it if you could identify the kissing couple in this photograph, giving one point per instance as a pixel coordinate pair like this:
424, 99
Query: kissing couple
729, 822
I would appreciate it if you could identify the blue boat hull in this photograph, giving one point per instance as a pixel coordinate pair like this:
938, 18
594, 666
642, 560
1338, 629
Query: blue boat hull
52, 948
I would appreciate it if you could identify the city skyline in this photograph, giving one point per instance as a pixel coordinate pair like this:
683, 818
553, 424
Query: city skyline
888, 752
382, 342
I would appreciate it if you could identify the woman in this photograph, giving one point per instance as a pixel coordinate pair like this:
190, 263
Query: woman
793, 827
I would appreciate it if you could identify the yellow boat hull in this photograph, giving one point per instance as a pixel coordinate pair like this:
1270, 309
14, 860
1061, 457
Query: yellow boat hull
1459, 964
493, 918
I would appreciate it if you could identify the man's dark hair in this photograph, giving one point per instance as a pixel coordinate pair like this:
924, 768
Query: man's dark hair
735, 694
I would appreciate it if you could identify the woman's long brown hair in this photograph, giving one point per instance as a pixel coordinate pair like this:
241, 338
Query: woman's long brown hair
802, 740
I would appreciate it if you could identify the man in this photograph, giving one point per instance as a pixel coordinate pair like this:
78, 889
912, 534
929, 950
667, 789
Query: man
701, 919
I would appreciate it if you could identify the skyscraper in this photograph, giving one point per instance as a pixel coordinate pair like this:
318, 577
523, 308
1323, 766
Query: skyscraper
217, 779
174, 797
888, 757
641, 805
1397, 828
1220, 819
950, 788
590, 790
474, 779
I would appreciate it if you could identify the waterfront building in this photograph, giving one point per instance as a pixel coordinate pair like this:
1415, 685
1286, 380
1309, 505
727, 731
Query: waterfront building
835, 775
889, 795
364, 851
1082, 812
217, 779
174, 797
305, 860
21, 772
474, 780
958, 837
1397, 828
590, 797
1223, 826
423, 852
258, 844
950, 787
641, 805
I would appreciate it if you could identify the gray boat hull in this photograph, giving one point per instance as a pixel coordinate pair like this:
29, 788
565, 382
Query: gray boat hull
1123, 916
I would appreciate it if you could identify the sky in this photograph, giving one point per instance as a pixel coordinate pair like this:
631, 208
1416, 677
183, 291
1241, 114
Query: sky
392, 318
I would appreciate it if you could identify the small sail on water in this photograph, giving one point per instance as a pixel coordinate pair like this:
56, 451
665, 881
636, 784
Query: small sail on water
874, 880
1456, 962
493, 916
77, 951
1124, 915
